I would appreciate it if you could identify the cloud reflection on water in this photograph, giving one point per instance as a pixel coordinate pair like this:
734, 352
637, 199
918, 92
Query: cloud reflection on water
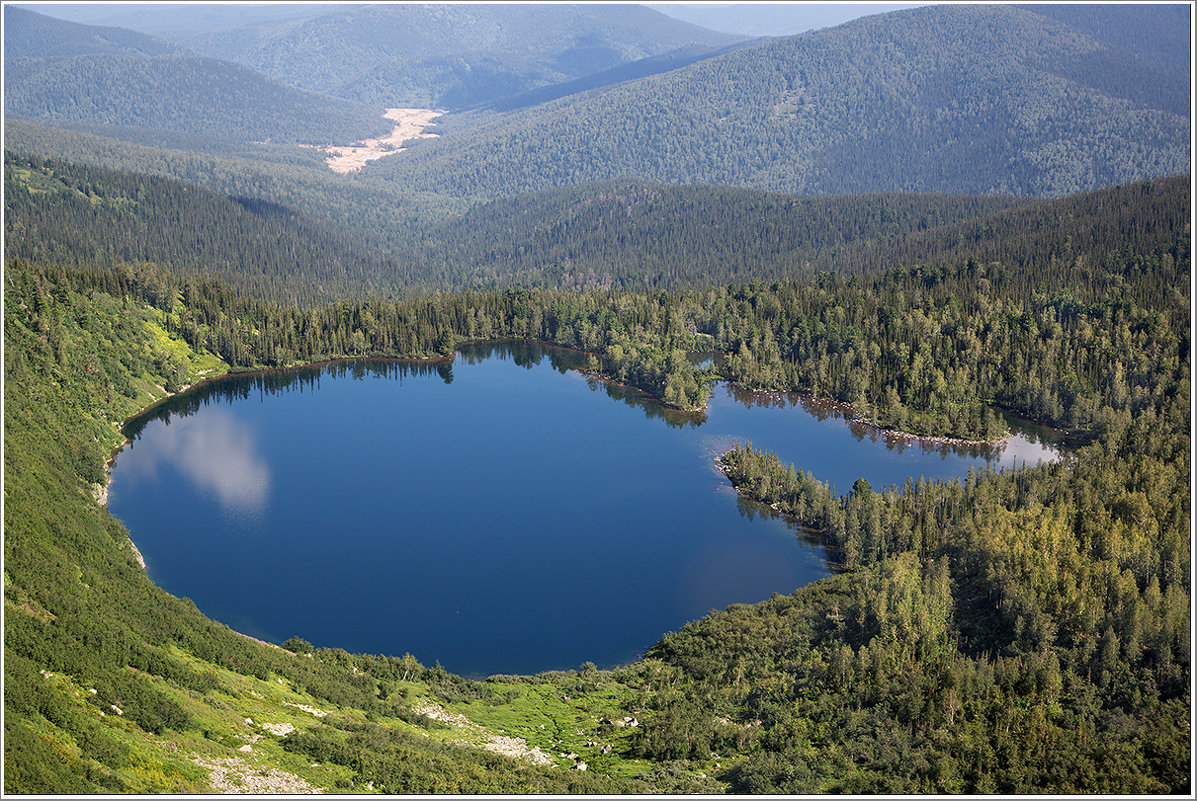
216, 451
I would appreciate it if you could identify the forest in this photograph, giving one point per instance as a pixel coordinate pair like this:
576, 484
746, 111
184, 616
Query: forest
1013, 632
874, 105
620, 234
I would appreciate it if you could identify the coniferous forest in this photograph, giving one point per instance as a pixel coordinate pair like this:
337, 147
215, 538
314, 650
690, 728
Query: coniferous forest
1026, 630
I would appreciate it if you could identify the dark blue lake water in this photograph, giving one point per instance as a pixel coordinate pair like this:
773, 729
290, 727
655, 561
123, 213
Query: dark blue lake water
502, 514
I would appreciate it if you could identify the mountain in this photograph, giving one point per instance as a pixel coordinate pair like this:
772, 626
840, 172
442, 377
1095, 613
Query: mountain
107, 76
31, 35
641, 68
959, 99
183, 19
450, 56
625, 234
1157, 34
381, 217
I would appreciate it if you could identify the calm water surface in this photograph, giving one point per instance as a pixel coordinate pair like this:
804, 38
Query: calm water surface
503, 514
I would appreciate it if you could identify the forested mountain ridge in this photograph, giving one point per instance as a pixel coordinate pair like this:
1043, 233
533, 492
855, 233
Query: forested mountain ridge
1158, 34
386, 217
633, 234
876, 105
62, 213
636, 234
28, 34
965, 99
625, 234
450, 56
168, 89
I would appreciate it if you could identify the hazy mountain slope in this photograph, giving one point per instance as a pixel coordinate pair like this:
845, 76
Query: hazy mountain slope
450, 56
189, 19
964, 99
772, 19
1158, 34
641, 68
171, 91
652, 236
31, 35
1141, 217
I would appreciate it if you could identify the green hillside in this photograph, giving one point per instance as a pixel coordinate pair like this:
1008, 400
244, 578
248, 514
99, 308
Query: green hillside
449, 56
638, 235
622, 233
61, 213
634, 234
385, 217
69, 74
962, 99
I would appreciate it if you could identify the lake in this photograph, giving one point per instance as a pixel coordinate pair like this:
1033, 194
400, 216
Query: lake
503, 513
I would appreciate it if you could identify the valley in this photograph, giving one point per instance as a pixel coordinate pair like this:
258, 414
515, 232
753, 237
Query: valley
410, 123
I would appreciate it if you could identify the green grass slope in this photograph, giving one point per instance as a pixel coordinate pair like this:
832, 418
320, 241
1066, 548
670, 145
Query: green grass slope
957, 99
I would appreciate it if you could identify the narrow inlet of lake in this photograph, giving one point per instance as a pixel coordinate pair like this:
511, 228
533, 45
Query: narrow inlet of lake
500, 514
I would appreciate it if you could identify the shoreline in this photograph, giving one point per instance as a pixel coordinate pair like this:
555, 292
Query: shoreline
853, 418
845, 409
825, 541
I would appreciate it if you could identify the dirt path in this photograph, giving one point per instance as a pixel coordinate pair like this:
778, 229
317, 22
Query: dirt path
409, 124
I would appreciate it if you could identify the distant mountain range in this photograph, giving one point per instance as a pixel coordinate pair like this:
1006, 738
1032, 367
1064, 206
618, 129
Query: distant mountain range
959, 99
65, 73
973, 99
450, 56
31, 35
